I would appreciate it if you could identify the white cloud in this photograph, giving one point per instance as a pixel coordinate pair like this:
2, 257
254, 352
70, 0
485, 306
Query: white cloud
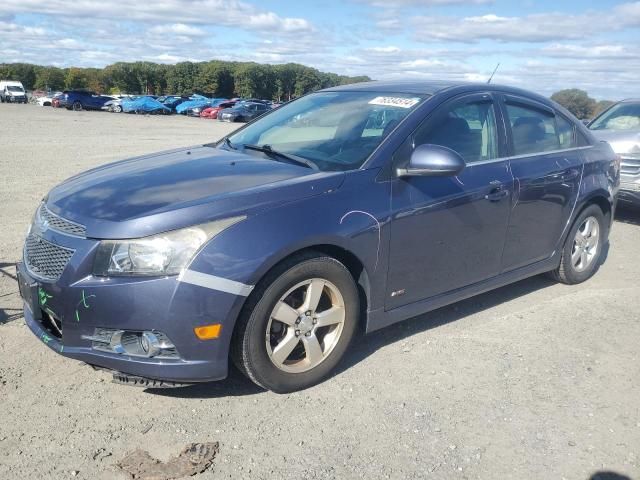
20, 31
608, 51
232, 13
385, 50
178, 29
539, 27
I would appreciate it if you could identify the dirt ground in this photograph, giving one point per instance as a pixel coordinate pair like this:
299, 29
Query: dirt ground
533, 381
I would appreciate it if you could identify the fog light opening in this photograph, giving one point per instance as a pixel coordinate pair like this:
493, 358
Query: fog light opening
147, 344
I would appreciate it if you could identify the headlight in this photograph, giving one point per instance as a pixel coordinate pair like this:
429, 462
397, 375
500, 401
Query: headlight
163, 254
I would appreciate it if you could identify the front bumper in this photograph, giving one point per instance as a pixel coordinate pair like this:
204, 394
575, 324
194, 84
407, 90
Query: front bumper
160, 304
629, 192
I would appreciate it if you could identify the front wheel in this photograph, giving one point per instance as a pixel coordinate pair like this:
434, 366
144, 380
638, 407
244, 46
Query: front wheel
77, 106
298, 324
582, 251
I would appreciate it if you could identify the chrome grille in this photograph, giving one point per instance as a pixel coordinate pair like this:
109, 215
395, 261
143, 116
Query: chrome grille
630, 166
44, 259
55, 222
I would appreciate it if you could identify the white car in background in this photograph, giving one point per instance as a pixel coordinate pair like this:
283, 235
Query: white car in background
46, 100
115, 105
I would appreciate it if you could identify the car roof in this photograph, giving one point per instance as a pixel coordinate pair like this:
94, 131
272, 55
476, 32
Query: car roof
434, 87
404, 86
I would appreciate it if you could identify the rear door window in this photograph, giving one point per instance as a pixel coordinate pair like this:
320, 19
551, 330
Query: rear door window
532, 130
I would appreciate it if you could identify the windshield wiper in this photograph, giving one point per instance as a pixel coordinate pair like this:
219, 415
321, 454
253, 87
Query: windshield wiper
228, 143
286, 156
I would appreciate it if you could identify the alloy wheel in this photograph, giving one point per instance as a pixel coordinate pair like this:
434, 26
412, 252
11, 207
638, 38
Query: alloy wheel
305, 325
585, 244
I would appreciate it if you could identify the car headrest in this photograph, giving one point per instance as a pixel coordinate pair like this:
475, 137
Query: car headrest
529, 128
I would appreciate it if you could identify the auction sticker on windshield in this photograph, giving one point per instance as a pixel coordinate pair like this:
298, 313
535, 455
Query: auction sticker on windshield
395, 102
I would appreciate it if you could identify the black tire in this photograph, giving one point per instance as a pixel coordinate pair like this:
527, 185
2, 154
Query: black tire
567, 272
248, 348
76, 106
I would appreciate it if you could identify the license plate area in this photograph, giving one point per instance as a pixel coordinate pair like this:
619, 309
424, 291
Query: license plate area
29, 293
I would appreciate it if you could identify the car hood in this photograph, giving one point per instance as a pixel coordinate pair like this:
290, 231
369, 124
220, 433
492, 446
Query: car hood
622, 141
155, 193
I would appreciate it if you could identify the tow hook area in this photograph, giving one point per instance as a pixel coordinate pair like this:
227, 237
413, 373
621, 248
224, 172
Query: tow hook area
135, 381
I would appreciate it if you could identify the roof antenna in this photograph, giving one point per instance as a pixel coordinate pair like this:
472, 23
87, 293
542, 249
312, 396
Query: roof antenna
494, 72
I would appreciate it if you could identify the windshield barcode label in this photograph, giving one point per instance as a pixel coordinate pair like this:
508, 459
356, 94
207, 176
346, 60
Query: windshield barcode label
395, 102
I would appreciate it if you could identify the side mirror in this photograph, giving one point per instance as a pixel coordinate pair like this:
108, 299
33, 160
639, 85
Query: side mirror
432, 161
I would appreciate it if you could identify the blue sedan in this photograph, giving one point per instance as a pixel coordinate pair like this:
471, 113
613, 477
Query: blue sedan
356, 206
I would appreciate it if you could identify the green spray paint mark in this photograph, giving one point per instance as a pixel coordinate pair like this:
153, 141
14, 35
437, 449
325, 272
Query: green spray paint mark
43, 296
61, 348
45, 338
83, 302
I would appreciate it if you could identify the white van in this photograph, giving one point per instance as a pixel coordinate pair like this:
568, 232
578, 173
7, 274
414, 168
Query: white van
12, 92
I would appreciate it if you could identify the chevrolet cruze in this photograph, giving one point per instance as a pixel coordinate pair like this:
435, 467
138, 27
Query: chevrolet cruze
356, 206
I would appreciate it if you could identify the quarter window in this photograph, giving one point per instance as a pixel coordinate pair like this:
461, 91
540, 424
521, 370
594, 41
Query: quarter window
565, 132
469, 129
533, 130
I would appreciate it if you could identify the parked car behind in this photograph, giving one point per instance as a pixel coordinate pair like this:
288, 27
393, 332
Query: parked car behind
56, 101
83, 100
243, 112
12, 91
273, 245
620, 126
144, 105
212, 112
172, 101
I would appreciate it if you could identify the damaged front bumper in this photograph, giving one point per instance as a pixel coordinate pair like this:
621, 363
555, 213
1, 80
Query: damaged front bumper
72, 318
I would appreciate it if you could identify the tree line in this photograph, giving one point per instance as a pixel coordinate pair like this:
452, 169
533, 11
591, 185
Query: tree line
215, 78
580, 103
220, 79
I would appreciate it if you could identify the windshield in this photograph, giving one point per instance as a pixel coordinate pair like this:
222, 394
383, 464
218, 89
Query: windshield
334, 130
13, 88
623, 116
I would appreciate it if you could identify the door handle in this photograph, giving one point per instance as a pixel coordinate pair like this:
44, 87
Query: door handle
564, 176
497, 193
570, 174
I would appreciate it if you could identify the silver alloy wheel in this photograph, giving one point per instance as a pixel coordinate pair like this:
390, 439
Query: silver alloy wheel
305, 325
585, 244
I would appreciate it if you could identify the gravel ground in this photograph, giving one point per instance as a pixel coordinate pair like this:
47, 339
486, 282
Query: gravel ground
535, 380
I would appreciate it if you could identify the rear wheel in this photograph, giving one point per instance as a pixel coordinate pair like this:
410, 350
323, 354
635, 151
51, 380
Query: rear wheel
117, 108
582, 252
297, 324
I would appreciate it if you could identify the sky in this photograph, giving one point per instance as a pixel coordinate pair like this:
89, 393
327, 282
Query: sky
541, 45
